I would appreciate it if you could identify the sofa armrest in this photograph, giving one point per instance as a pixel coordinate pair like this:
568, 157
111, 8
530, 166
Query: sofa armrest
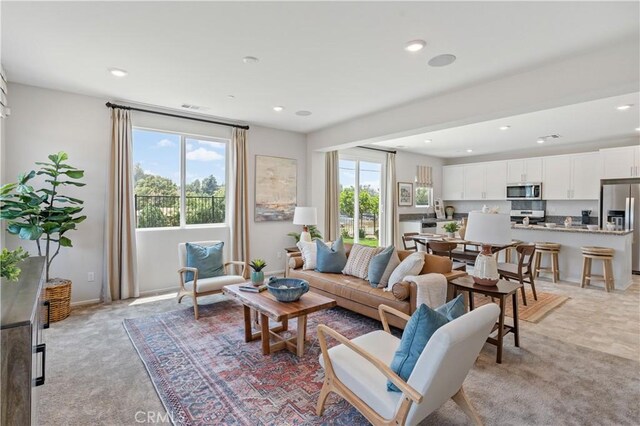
292, 257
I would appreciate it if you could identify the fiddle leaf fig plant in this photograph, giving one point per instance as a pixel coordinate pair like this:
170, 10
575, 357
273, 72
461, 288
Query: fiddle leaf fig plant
44, 215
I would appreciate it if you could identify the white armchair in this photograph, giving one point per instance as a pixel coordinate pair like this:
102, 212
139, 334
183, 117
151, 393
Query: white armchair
358, 369
205, 286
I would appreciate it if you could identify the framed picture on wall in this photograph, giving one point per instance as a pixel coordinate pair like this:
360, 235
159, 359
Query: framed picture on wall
405, 194
276, 188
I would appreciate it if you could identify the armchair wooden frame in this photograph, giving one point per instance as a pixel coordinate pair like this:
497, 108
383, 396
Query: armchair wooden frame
409, 394
194, 294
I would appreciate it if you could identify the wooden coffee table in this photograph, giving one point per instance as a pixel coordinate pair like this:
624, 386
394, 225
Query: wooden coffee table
502, 291
267, 307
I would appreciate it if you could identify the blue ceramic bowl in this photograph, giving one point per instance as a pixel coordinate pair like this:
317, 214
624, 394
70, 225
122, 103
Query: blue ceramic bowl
287, 289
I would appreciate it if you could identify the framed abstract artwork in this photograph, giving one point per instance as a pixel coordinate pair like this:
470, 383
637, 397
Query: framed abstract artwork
276, 188
405, 194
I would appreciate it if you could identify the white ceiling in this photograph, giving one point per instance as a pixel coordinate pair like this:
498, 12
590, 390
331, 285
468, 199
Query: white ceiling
338, 60
583, 122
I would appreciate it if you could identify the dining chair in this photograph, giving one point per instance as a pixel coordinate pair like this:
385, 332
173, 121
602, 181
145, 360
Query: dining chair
408, 242
523, 272
444, 248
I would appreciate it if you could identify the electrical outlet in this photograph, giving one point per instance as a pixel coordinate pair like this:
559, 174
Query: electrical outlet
91, 277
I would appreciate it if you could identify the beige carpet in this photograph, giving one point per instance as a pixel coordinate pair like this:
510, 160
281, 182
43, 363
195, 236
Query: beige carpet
535, 309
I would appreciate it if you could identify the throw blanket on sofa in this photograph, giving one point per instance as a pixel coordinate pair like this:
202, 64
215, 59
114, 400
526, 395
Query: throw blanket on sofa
431, 289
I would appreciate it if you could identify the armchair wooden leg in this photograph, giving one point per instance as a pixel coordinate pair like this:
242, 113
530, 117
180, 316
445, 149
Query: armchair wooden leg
322, 398
460, 398
195, 307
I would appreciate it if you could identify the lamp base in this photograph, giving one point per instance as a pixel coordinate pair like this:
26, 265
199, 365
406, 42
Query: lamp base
305, 236
485, 271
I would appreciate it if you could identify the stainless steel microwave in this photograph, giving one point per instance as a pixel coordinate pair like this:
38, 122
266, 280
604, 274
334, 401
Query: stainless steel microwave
524, 191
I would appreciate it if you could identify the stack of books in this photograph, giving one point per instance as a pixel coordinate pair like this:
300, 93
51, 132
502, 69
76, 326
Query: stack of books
252, 288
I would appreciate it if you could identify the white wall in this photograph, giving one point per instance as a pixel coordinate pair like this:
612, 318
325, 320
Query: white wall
406, 168
45, 121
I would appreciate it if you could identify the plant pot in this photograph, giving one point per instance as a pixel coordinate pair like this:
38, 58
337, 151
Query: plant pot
257, 278
58, 293
451, 234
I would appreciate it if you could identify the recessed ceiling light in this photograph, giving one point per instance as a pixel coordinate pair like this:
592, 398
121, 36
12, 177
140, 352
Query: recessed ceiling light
278, 108
540, 141
505, 127
442, 60
231, 96
250, 60
624, 107
415, 45
469, 150
118, 72
637, 129
428, 141
303, 113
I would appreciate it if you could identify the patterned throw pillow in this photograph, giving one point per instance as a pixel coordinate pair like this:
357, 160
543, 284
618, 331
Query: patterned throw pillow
358, 260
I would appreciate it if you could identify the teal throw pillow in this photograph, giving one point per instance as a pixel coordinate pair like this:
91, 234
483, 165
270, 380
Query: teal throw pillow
419, 329
207, 259
333, 259
378, 265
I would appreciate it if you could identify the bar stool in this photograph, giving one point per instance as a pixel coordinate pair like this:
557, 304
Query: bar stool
552, 249
599, 253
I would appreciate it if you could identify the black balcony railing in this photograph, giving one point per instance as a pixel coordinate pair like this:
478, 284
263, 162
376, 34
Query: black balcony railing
158, 211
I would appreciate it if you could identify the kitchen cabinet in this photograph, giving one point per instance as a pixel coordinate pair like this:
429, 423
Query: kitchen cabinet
453, 183
485, 181
571, 177
621, 162
524, 170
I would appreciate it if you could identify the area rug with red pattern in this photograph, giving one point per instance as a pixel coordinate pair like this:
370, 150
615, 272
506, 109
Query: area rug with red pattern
206, 374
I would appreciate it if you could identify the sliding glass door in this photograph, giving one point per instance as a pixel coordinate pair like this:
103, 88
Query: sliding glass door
360, 185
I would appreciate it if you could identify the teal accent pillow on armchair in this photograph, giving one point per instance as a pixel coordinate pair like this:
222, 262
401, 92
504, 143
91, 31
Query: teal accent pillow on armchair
209, 260
419, 329
331, 260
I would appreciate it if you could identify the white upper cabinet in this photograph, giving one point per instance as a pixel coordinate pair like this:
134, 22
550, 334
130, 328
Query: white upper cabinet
620, 162
556, 184
571, 177
525, 170
495, 181
474, 181
453, 183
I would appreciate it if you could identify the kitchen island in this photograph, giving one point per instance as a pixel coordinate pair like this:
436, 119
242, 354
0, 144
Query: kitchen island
570, 258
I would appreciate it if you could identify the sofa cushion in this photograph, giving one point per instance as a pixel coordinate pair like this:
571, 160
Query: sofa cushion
214, 283
309, 253
330, 259
208, 260
352, 288
411, 265
378, 266
394, 261
358, 260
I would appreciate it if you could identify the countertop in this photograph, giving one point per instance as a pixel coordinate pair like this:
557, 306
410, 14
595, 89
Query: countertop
576, 229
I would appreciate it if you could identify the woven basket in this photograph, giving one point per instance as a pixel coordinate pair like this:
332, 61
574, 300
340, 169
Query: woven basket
58, 293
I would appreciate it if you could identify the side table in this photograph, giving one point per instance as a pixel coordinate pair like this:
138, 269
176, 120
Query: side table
502, 290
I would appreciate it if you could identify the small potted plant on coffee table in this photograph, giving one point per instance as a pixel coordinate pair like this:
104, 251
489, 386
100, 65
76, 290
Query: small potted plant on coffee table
451, 228
257, 276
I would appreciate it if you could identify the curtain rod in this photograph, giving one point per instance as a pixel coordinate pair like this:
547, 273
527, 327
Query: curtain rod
378, 149
186, 117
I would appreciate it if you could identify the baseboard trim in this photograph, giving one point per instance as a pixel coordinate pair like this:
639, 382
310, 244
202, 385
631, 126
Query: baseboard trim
85, 302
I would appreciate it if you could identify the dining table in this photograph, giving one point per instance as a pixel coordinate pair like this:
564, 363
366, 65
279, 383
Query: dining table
464, 254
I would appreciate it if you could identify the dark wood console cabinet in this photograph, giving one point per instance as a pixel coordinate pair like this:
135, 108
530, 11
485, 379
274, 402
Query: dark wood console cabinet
24, 314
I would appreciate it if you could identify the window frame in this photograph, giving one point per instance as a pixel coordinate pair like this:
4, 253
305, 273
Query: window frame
415, 198
182, 166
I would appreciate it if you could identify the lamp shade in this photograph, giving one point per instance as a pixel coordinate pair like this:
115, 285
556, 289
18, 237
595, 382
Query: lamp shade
488, 228
305, 216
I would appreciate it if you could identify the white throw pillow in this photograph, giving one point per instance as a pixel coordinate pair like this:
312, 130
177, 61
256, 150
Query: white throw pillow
411, 265
309, 253
358, 260
394, 261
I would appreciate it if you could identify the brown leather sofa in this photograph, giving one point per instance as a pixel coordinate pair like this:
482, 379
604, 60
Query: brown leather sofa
357, 294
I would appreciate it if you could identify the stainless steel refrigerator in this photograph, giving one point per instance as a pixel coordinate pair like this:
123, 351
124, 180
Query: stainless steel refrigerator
620, 204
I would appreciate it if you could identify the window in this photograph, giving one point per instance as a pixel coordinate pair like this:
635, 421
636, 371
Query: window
423, 196
178, 179
360, 221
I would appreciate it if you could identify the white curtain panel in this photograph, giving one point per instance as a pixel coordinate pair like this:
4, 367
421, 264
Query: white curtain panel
390, 234
332, 194
424, 176
238, 197
120, 275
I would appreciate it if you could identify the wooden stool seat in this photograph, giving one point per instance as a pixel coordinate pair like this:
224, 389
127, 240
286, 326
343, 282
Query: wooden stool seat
605, 254
553, 250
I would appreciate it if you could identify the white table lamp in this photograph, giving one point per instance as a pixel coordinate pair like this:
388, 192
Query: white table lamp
487, 229
305, 216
